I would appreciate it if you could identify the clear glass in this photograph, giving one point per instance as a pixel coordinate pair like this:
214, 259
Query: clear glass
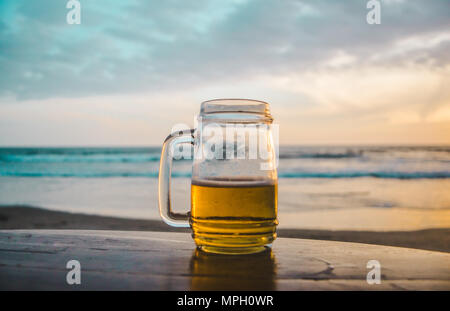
234, 178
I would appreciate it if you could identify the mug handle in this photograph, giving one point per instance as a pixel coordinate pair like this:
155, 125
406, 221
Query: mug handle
165, 174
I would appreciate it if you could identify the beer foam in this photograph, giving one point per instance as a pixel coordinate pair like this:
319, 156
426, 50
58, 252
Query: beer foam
233, 181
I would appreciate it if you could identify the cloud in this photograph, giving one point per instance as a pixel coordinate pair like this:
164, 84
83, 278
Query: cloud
314, 60
127, 47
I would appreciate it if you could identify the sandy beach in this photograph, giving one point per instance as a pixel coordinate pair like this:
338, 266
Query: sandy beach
27, 217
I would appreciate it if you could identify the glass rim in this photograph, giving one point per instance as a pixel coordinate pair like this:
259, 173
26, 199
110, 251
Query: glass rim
224, 108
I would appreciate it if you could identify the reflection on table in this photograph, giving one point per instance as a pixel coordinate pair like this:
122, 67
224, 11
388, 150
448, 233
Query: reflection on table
227, 272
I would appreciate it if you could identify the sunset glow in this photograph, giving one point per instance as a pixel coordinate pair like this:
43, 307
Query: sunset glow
109, 81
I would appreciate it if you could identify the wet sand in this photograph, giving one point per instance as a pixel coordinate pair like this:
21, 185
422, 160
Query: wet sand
26, 217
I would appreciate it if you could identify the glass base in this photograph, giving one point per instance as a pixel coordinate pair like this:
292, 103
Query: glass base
234, 245
233, 236
233, 250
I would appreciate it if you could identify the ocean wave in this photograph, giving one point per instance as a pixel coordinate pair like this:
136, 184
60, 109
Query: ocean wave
89, 175
152, 154
75, 155
104, 158
381, 174
124, 158
326, 155
156, 158
139, 158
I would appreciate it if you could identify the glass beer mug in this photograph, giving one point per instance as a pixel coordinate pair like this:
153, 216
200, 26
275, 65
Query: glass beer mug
234, 177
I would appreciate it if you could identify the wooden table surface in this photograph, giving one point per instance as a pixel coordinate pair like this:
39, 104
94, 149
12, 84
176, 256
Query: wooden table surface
128, 260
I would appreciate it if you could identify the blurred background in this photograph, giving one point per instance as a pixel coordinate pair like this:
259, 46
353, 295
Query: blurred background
364, 110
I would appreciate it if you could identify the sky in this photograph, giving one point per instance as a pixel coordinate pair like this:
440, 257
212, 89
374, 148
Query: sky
133, 69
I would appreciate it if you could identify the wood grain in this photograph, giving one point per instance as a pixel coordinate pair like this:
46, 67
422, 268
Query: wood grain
132, 260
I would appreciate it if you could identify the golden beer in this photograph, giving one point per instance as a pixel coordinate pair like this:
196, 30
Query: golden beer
233, 216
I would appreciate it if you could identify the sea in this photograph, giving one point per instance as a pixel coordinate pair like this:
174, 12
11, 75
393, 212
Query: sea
322, 187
